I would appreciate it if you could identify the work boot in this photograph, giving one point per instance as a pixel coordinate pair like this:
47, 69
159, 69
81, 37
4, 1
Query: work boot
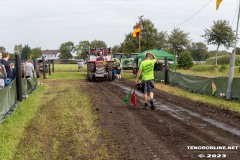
145, 107
152, 105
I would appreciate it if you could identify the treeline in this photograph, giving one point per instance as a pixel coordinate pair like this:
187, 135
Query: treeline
176, 42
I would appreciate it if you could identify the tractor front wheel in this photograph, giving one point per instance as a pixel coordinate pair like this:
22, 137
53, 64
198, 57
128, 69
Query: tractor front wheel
90, 76
110, 75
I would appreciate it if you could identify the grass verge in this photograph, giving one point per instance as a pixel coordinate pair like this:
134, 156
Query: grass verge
12, 129
56, 122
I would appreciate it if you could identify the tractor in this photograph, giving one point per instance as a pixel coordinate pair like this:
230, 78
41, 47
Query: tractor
98, 67
131, 61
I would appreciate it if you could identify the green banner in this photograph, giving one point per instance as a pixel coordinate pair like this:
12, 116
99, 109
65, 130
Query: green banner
221, 84
193, 84
159, 76
9, 95
8, 99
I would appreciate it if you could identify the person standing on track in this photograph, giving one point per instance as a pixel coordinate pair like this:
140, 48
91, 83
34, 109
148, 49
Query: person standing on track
146, 69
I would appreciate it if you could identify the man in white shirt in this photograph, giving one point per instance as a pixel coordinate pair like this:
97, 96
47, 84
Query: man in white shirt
80, 65
29, 69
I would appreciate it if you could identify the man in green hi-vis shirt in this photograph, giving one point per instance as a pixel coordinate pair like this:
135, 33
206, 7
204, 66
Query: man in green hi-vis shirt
146, 69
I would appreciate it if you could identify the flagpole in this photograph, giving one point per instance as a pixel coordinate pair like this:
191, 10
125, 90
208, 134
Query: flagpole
139, 37
232, 62
139, 43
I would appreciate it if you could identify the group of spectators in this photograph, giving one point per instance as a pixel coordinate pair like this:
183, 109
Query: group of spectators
7, 70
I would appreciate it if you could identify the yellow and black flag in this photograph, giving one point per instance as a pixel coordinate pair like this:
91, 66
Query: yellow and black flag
218, 4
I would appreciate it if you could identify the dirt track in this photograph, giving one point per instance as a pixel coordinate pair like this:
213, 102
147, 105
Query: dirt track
166, 132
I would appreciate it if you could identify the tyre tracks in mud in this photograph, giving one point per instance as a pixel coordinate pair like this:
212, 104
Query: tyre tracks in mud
167, 131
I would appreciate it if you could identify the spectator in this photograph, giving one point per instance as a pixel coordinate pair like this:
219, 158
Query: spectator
118, 67
12, 67
0, 57
5, 62
101, 57
23, 70
2, 77
80, 65
29, 69
2, 73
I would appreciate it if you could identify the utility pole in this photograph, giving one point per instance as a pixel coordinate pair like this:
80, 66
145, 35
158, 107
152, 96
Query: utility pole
232, 62
139, 38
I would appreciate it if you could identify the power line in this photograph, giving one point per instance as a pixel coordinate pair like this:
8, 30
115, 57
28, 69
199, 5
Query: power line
192, 15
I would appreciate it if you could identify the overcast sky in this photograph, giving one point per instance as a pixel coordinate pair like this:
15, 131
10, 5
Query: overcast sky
49, 23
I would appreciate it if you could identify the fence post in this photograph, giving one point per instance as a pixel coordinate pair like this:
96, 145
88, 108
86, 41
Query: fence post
18, 77
49, 67
53, 66
44, 73
35, 64
166, 70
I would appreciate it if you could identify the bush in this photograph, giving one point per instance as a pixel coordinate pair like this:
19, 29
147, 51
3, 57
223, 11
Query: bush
185, 60
222, 68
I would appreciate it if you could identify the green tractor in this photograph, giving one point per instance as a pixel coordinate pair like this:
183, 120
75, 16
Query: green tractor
119, 56
130, 62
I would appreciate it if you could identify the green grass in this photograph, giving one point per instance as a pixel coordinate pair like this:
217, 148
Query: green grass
209, 71
218, 102
68, 67
12, 129
67, 75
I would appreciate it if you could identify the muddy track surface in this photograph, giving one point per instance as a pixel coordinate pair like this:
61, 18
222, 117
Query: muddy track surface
167, 133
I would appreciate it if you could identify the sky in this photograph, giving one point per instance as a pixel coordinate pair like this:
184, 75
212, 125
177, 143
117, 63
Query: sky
49, 23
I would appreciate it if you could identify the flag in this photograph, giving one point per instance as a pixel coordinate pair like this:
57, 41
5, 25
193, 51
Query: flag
127, 97
136, 31
133, 99
218, 3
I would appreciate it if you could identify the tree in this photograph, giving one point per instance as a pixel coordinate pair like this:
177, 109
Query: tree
36, 53
2, 49
162, 41
26, 51
178, 40
237, 50
66, 50
185, 60
130, 44
98, 44
82, 49
213, 53
219, 34
18, 48
148, 37
199, 51
116, 49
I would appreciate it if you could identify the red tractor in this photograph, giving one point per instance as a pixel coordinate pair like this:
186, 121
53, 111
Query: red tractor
100, 64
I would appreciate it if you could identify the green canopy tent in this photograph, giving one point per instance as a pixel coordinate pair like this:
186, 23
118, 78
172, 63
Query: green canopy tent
160, 54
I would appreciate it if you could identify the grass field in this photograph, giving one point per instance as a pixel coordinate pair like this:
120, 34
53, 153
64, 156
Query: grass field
67, 67
210, 74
